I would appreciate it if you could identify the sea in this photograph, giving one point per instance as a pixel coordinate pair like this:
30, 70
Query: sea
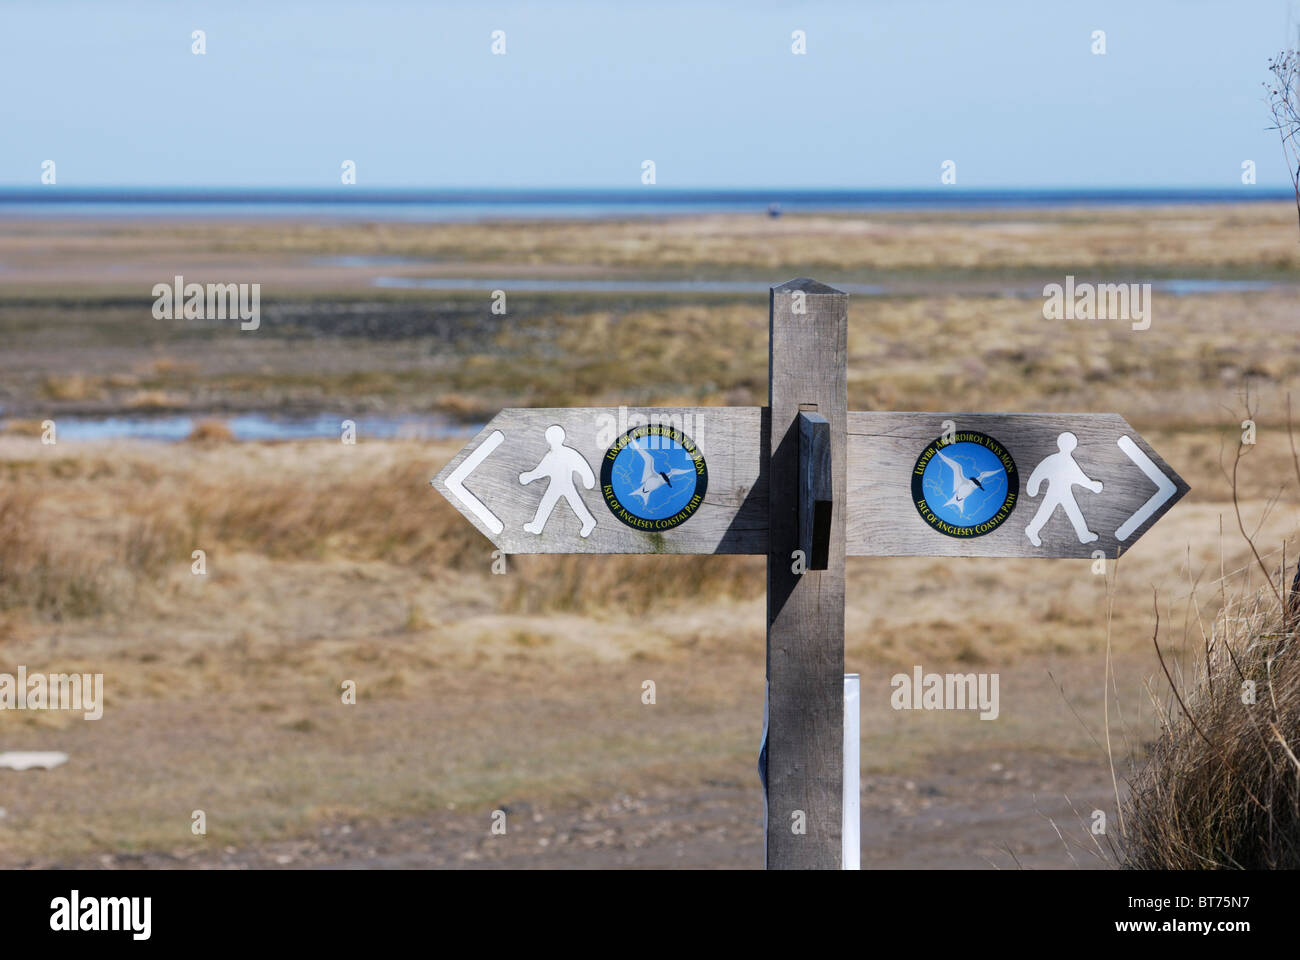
434, 206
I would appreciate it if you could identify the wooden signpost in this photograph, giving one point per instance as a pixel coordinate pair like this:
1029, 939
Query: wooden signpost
807, 482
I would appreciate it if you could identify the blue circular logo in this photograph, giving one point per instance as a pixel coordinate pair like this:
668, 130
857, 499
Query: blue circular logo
965, 488
653, 477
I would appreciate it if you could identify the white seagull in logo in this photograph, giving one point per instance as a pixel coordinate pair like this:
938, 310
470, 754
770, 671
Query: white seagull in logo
652, 478
962, 485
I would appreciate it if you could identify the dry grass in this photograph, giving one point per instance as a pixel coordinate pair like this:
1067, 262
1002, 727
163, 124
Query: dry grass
21, 428
1221, 786
1183, 371
146, 400
170, 366
72, 387
1242, 237
328, 562
77, 352
82, 535
211, 431
68, 578
92, 532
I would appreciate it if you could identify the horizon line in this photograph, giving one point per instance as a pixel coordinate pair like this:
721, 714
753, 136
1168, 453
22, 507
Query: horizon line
648, 194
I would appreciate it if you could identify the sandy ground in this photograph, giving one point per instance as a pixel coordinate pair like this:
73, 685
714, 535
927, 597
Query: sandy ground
629, 802
972, 812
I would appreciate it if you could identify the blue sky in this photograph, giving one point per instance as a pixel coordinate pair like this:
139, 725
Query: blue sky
888, 90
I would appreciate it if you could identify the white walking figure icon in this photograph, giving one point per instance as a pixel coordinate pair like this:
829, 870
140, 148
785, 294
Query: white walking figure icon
1061, 474
560, 464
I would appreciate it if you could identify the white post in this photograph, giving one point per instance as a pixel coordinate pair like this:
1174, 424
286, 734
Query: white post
851, 856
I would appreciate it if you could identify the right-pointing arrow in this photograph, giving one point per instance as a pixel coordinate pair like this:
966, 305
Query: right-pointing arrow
1165, 488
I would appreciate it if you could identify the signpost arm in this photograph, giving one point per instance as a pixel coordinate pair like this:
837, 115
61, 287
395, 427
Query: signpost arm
805, 611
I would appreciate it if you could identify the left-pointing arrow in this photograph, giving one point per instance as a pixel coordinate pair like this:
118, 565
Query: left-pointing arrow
456, 482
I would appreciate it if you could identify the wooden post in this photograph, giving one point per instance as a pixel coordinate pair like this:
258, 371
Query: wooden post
808, 338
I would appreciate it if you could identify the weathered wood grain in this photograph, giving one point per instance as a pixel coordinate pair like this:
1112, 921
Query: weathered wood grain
883, 450
732, 519
805, 613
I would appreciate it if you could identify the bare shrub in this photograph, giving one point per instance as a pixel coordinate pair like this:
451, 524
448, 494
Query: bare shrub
1284, 104
1220, 788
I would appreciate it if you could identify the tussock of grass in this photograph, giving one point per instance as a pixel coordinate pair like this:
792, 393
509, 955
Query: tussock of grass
67, 578
1221, 786
72, 387
211, 431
